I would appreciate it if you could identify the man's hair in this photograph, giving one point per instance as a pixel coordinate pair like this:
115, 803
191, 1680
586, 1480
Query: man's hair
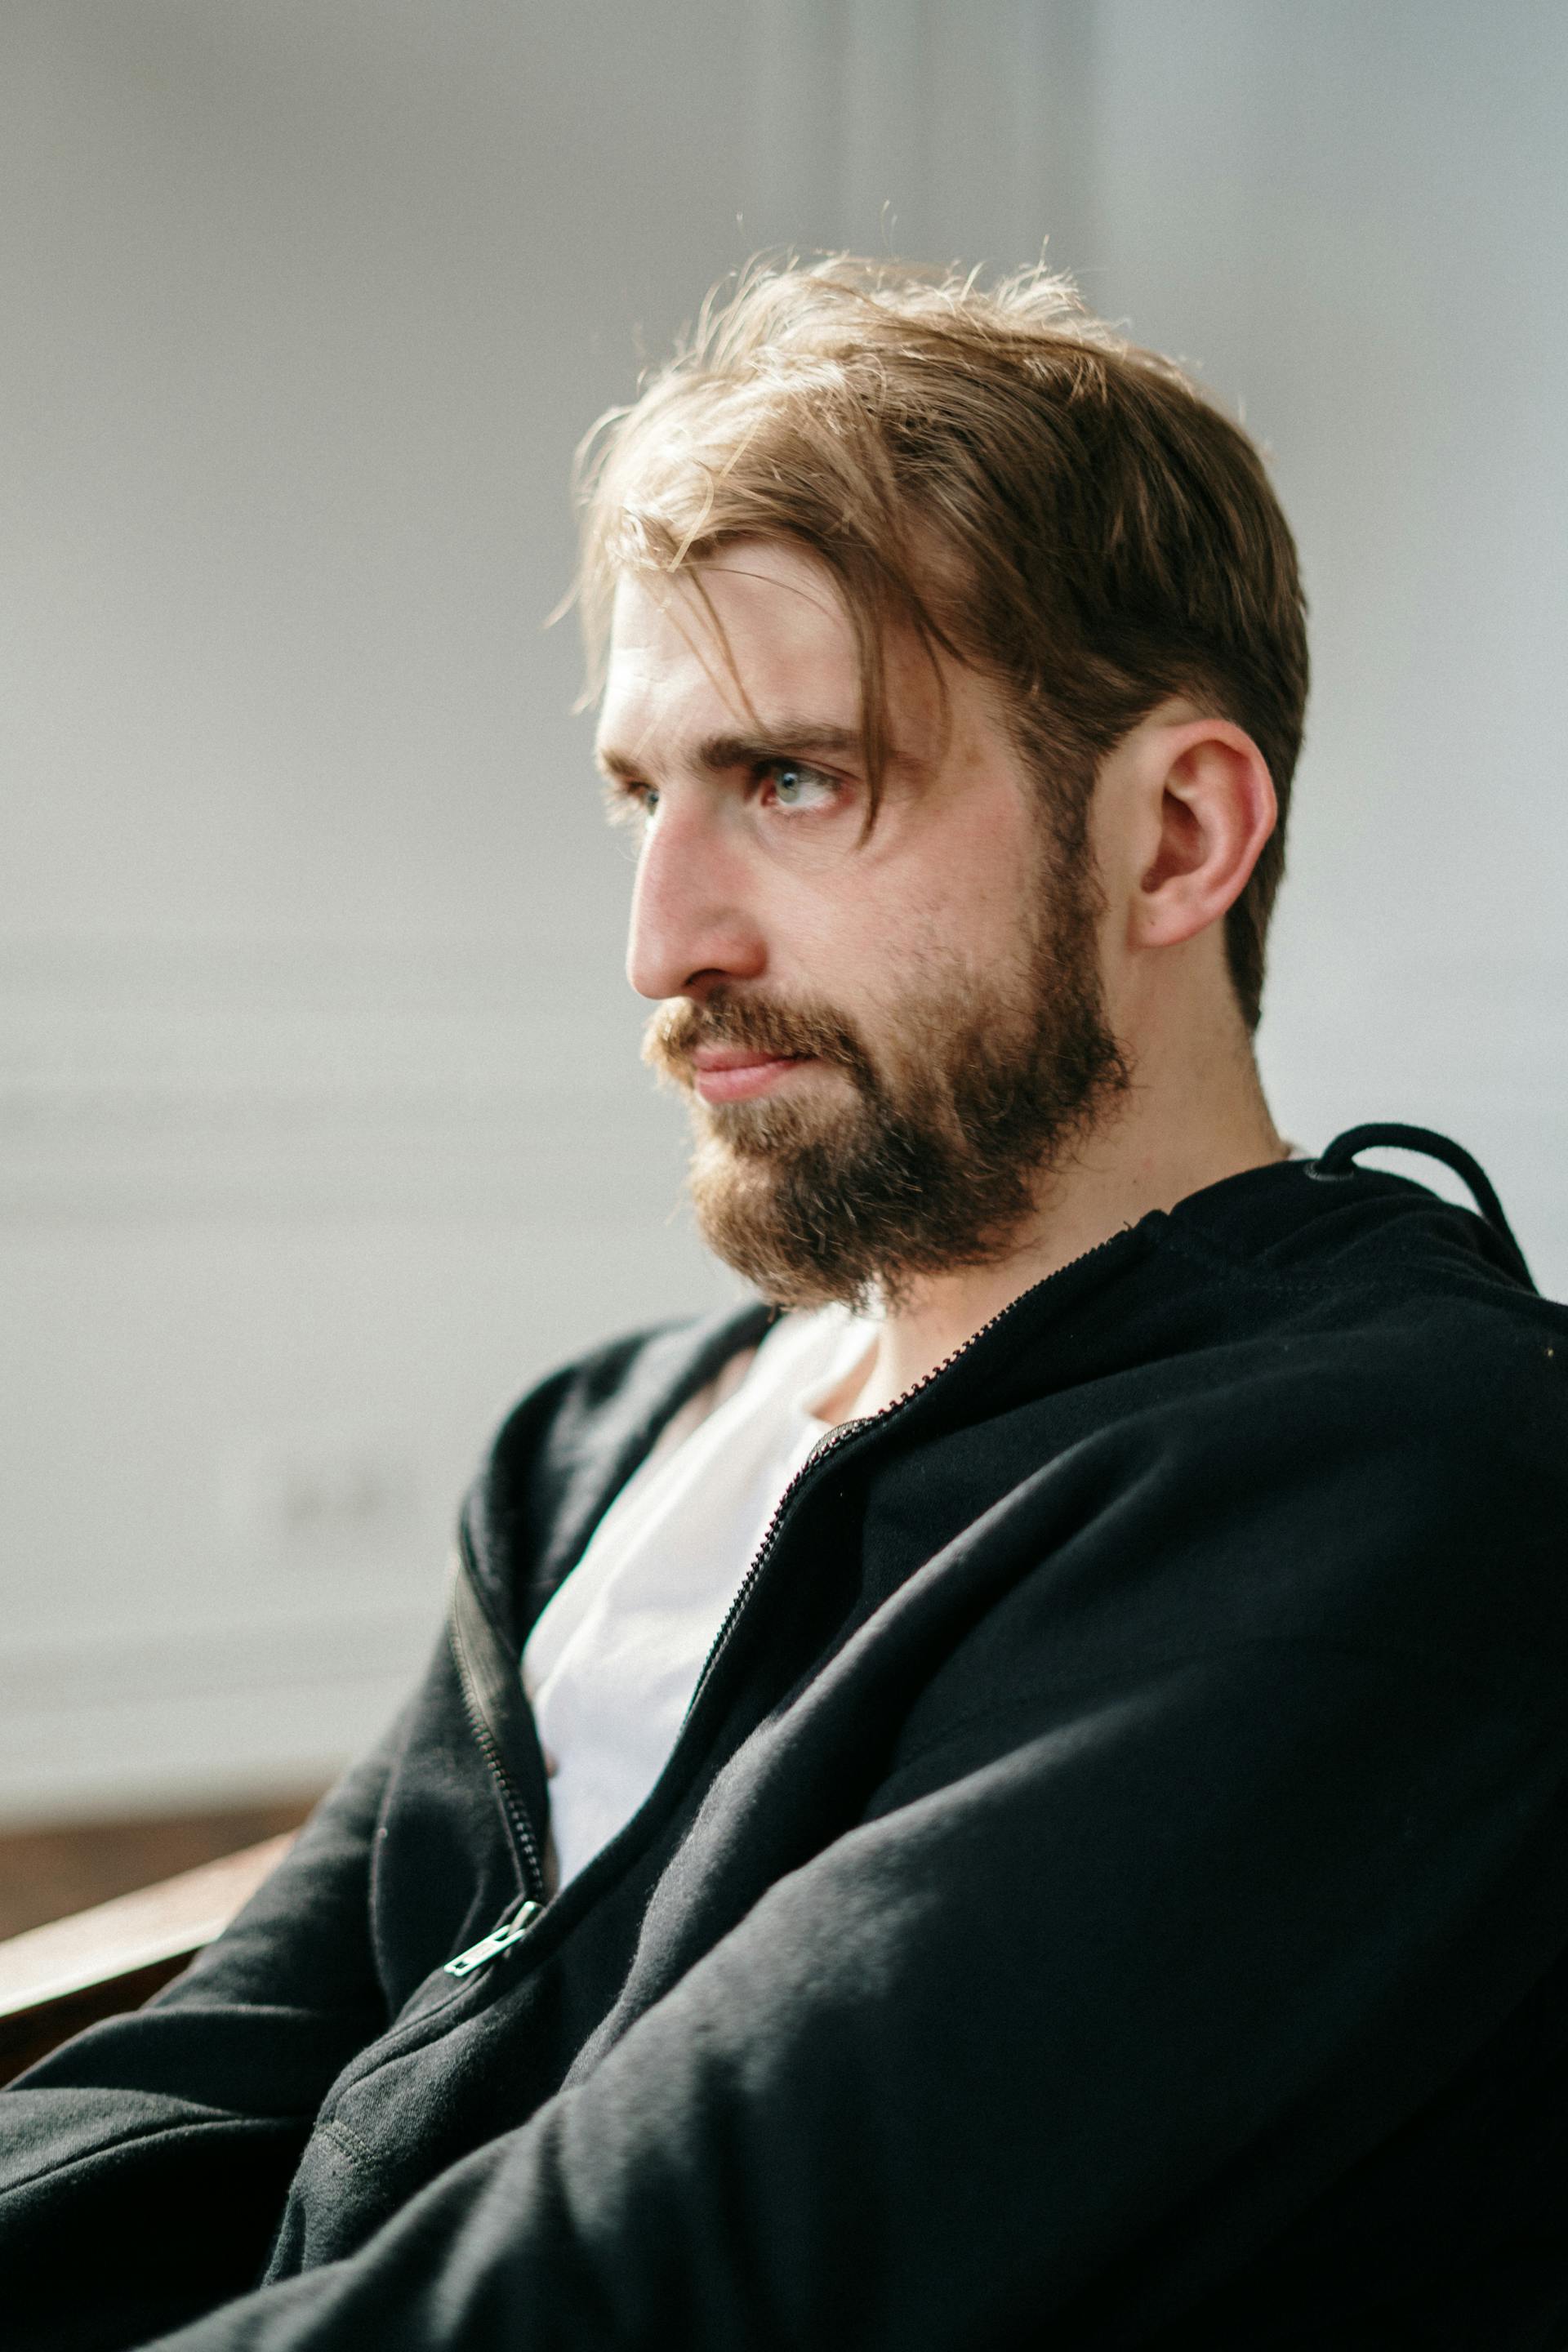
1001, 472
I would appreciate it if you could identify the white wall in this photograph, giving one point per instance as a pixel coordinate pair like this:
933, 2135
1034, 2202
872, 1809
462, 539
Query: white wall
1355, 218
321, 1129
320, 1125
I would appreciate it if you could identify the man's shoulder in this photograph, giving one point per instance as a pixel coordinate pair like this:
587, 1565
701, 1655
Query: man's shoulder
1374, 1449
1383, 1319
1339, 1422
1378, 1297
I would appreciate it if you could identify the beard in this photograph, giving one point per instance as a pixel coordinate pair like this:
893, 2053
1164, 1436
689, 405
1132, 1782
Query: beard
930, 1152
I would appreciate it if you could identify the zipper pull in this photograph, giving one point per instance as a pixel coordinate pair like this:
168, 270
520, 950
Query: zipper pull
510, 1932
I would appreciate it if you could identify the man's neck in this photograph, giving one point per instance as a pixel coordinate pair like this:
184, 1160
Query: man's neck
1148, 1154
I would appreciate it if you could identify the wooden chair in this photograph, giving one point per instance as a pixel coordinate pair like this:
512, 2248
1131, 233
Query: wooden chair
57, 1979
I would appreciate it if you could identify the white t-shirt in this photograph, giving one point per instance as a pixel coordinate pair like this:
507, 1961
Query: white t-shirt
613, 1660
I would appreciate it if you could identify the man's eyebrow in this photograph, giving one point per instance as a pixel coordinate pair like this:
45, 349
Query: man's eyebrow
791, 739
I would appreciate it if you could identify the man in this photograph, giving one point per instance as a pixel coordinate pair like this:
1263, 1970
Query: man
1020, 1799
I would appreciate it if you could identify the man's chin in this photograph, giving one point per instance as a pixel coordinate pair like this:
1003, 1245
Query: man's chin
760, 1130
746, 1196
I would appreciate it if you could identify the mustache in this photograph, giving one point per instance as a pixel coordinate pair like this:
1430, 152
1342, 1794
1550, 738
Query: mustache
682, 1027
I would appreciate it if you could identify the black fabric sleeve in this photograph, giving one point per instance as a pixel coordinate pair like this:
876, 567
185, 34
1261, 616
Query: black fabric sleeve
1082, 1959
143, 2164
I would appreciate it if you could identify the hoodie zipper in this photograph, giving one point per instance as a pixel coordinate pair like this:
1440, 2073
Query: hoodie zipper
838, 1437
511, 1930
523, 1915
520, 1914
522, 1827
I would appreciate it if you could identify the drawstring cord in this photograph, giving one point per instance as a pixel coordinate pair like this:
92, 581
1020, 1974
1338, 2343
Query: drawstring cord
1339, 1161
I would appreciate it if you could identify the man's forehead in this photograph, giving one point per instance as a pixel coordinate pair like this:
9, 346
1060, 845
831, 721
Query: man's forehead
754, 597
737, 642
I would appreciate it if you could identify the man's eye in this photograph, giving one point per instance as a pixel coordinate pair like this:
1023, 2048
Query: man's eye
629, 803
794, 785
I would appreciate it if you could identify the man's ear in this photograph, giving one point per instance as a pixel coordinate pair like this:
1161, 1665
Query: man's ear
1205, 807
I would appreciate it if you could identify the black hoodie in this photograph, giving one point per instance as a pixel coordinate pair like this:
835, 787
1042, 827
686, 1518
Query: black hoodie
1110, 1888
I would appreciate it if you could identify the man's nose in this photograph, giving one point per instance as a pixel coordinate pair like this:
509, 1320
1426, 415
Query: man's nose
693, 924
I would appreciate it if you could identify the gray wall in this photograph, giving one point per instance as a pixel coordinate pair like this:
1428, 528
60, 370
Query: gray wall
1355, 218
320, 1126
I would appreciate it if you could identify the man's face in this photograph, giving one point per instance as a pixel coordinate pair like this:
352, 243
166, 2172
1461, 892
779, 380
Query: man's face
887, 1040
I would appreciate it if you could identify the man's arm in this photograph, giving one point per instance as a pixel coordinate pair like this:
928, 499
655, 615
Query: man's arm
211, 2089
1079, 1964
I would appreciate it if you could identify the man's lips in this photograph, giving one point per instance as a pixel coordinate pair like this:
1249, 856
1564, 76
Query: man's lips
733, 1073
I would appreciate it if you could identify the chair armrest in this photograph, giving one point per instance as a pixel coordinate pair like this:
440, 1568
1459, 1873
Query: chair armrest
57, 1978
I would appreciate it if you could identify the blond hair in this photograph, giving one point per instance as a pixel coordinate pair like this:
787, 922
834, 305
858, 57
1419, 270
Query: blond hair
1003, 473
